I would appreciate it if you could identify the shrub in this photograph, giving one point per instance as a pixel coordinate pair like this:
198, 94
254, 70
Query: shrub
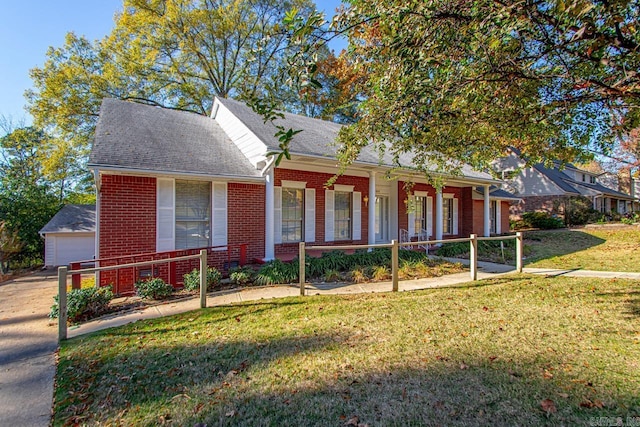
380, 273
192, 279
83, 304
276, 272
332, 276
453, 249
358, 275
241, 275
541, 220
154, 288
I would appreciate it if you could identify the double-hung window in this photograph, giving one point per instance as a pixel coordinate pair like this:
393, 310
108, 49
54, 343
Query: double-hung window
343, 213
447, 216
295, 212
292, 215
420, 218
193, 214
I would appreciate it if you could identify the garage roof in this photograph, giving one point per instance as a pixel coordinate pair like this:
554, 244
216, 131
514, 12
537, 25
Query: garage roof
72, 218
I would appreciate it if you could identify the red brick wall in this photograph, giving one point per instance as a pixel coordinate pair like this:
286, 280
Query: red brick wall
317, 181
504, 217
127, 215
246, 217
466, 211
127, 221
478, 217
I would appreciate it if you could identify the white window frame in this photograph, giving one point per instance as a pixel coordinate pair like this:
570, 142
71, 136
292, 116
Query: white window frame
309, 211
355, 218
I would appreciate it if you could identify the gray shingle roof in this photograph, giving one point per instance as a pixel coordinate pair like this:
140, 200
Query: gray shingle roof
570, 185
558, 177
78, 218
498, 193
318, 138
142, 137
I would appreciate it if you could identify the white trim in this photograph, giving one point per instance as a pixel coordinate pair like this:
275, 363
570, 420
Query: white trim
292, 184
448, 196
310, 215
343, 188
454, 214
219, 225
116, 170
277, 215
421, 193
165, 214
430, 216
356, 216
498, 218
329, 216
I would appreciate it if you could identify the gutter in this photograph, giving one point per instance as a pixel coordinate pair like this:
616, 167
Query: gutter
145, 172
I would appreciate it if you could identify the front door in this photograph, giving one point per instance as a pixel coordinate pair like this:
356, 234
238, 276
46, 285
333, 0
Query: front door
382, 219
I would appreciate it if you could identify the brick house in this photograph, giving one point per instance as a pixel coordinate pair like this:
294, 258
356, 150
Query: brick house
169, 180
548, 189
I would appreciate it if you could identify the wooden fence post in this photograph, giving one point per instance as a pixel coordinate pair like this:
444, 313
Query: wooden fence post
519, 251
394, 265
203, 278
62, 303
301, 273
473, 257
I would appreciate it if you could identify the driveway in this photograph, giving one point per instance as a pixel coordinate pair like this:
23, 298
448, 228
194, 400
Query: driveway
28, 342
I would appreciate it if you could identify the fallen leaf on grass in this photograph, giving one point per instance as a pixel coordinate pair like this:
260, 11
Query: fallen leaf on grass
463, 366
353, 421
596, 403
548, 406
231, 413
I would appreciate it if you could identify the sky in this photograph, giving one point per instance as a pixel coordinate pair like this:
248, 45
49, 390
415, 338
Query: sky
29, 27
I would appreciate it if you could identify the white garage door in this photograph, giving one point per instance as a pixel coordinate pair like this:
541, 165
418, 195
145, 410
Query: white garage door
68, 248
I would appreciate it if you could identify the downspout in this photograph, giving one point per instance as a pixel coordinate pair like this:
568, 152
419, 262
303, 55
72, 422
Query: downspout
96, 178
269, 210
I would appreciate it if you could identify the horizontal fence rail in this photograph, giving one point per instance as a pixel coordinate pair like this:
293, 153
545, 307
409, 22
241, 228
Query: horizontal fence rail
394, 245
222, 257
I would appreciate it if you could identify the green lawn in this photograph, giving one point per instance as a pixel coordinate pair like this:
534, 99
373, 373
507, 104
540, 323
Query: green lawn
589, 249
519, 350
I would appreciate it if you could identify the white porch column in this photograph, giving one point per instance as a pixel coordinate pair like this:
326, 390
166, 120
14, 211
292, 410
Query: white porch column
487, 212
269, 215
393, 211
439, 223
372, 208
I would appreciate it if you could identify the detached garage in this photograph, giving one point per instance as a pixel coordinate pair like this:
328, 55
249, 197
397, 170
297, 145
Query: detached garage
70, 235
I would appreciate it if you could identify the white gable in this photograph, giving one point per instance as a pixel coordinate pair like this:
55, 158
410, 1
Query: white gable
249, 144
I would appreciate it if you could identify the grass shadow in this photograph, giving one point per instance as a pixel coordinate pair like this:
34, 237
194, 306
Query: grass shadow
555, 243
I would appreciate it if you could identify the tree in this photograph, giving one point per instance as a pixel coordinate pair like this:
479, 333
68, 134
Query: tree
458, 81
171, 53
28, 196
10, 247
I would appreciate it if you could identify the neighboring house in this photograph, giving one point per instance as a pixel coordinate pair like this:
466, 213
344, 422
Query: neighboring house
170, 180
544, 188
70, 235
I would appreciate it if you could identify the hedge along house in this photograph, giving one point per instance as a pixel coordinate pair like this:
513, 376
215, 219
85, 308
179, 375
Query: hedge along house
170, 180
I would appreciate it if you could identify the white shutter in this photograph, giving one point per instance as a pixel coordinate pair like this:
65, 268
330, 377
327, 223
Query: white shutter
310, 215
430, 216
357, 216
165, 215
455, 216
498, 217
277, 214
411, 226
329, 215
219, 215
